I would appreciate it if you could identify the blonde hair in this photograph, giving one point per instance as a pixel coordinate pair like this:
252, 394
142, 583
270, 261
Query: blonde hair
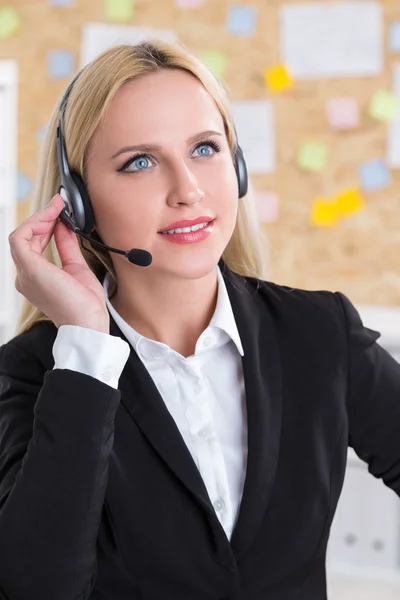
246, 252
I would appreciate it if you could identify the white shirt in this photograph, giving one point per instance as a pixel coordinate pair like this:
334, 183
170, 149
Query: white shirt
204, 393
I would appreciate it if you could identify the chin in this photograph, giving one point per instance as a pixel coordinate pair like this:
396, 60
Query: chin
196, 266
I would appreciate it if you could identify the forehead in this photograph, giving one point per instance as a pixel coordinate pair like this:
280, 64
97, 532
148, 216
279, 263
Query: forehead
162, 102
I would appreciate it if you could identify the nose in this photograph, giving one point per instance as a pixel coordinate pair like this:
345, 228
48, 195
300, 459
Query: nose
185, 187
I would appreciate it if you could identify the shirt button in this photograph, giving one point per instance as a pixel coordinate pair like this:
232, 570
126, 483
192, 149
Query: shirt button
203, 432
219, 504
107, 374
207, 341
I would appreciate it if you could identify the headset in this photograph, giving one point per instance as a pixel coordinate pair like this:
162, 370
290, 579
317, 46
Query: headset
77, 213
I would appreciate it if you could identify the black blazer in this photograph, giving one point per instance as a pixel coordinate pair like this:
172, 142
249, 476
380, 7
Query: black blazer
100, 497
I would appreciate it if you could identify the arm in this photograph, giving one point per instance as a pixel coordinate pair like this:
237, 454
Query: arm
56, 434
373, 399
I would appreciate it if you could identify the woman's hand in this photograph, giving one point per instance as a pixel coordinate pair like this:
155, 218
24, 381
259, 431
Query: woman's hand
71, 295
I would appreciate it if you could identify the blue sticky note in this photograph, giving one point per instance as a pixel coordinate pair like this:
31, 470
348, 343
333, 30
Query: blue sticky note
394, 37
241, 19
60, 64
374, 175
40, 134
24, 185
61, 2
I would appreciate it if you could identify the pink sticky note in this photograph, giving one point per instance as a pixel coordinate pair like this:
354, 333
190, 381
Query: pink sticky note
343, 113
267, 206
189, 3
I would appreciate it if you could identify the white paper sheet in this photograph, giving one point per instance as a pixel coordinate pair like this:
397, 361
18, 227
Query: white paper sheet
254, 121
97, 37
393, 137
332, 39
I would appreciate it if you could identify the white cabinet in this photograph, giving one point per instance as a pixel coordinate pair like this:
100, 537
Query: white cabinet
8, 162
366, 528
365, 534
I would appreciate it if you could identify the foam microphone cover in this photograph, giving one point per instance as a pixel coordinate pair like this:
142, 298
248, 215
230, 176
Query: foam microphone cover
141, 258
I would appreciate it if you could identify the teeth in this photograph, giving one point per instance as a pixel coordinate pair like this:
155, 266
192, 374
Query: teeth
188, 229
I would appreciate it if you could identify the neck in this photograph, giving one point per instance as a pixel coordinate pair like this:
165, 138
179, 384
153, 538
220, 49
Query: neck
167, 309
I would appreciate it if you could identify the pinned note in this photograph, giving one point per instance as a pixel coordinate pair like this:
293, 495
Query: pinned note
312, 156
343, 113
393, 138
324, 213
394, 37
332, 39
9, 22
41, 133
267, 206
185, 4
349, 201
119, 10
255, 126
60, 64
241, 20
61, 2
278, 78
374, 175
215, 61
384, 106
98, 37
24, 185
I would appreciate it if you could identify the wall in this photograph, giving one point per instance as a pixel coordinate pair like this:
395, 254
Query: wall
359, 255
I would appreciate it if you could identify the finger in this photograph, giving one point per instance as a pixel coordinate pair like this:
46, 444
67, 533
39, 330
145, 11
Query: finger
42, 223
67, 245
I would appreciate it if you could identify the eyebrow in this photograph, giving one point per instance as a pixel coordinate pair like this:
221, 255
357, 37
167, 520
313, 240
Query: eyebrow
157, 147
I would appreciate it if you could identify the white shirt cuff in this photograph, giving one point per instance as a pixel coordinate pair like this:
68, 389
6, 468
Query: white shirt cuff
90, 352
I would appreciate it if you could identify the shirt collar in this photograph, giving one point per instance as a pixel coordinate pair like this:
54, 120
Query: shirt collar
223, 317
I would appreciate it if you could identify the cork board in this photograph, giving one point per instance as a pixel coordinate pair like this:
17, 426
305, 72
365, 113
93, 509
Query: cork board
361, 254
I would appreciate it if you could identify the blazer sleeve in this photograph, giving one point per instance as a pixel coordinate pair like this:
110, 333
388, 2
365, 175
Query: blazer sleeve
56, 435
373, 402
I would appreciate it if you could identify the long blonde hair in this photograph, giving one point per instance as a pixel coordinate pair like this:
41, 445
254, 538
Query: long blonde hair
246, 252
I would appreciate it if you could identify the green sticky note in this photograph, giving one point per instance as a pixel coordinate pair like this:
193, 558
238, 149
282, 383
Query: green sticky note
9, 22
215, 61
312, 156
384, 106
119, 10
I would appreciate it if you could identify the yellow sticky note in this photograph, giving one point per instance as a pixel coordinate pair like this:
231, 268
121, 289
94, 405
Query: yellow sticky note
9, 22
384, 106
278, 78
349, 201
119, 10
324, 213
312, 156
215, 61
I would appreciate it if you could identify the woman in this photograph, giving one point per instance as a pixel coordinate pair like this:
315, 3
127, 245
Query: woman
177, 430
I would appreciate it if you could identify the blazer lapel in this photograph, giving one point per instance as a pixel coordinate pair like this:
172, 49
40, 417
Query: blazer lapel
262, 376
263, 387
142, 400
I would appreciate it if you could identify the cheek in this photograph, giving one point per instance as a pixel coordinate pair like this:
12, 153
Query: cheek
118, 211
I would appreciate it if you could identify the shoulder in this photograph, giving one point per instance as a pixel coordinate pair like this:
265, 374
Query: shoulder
283, 297
322, 311
33, 346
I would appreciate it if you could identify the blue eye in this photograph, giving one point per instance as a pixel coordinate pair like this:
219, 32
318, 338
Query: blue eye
204, 150
206, 146
141, 162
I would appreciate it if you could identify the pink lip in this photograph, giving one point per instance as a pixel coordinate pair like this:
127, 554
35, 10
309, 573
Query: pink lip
186, 223
189, 238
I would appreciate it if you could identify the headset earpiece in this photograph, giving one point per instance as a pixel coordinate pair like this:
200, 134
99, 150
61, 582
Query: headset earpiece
83, 198
241, 168
241, 171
